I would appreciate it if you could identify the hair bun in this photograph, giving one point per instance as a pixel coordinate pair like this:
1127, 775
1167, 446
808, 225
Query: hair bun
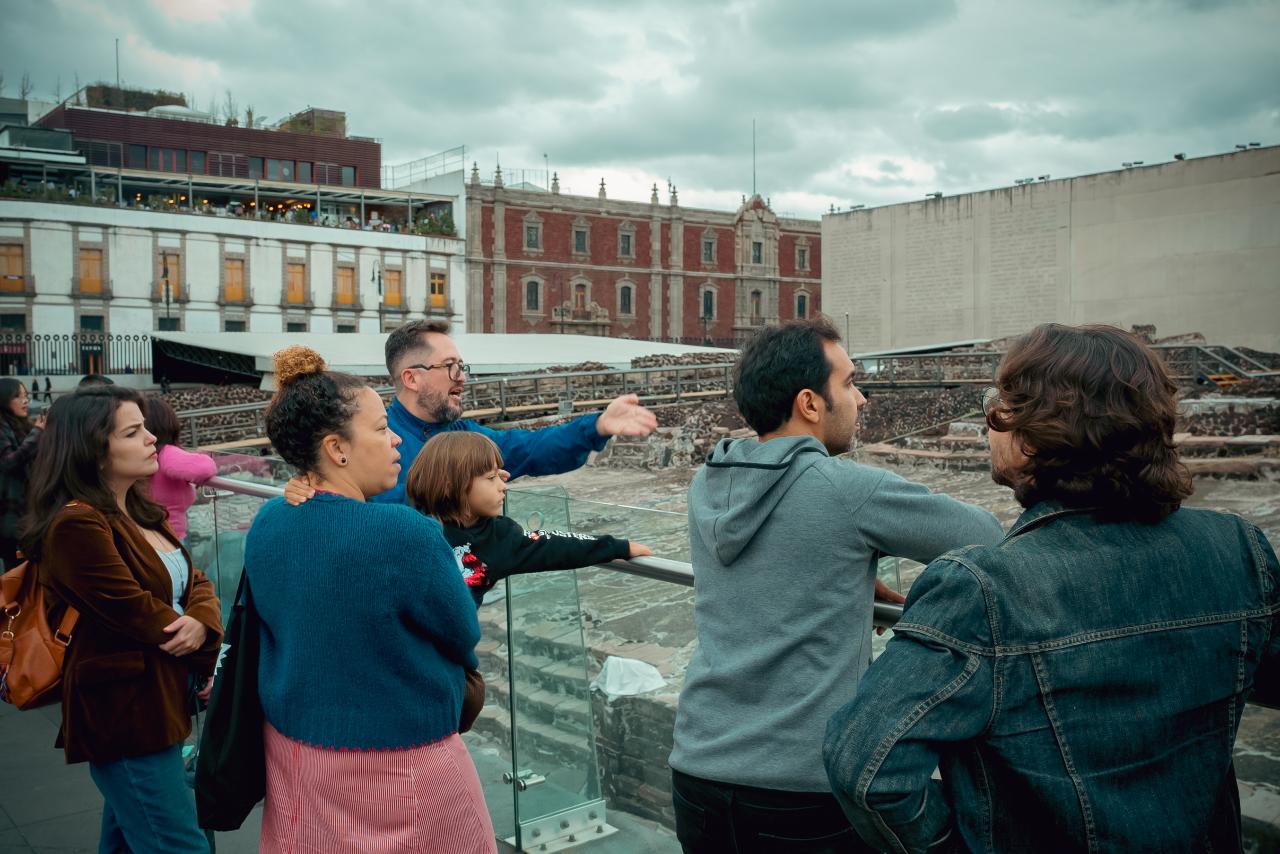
294, 363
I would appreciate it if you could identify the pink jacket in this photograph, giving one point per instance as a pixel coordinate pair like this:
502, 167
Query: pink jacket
171, 485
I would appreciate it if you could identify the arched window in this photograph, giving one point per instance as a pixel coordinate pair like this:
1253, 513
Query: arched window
624, 300
756, 305
708, 303
580, 296
531, 295
802, 306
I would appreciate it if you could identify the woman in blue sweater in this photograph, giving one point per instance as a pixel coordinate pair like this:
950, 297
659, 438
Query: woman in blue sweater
366, 631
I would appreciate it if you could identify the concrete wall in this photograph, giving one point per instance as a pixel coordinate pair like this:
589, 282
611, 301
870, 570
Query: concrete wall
1190, 246
130, 240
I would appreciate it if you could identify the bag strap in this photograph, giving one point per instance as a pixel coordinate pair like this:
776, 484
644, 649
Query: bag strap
66, 626
242, 589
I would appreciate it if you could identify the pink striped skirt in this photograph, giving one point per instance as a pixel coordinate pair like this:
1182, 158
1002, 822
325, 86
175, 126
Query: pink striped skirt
422, 799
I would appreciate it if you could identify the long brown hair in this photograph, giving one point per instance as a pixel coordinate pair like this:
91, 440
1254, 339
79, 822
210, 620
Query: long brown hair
1094, 408
69, 465
440, 478
9, 389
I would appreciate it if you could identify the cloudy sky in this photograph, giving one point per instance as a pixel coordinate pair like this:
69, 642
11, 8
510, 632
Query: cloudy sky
855, 101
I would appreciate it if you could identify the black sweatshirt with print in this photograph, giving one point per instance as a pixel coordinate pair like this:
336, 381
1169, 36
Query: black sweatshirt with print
497, 546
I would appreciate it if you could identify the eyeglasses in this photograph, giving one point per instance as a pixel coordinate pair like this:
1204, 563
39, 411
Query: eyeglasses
990, 399
456, 369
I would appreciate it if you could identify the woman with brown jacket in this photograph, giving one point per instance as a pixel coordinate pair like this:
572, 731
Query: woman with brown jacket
149, 622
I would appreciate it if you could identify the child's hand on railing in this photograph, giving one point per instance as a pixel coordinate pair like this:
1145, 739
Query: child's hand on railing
297, 490
638, 550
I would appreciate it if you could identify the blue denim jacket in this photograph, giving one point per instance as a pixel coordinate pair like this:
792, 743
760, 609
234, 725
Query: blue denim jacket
1078, 685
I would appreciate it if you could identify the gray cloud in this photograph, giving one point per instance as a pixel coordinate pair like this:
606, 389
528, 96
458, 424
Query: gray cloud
873, 102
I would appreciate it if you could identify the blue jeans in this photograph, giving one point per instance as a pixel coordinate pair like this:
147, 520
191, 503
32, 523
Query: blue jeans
713, 817
147, 805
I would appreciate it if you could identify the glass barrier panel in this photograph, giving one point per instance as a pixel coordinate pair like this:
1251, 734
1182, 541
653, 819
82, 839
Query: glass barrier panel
251, 467
663, 531
216, 530
554, 767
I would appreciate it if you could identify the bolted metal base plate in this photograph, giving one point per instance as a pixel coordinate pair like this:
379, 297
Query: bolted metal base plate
577, 826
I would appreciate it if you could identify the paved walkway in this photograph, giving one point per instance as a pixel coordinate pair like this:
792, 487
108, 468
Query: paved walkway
49, 806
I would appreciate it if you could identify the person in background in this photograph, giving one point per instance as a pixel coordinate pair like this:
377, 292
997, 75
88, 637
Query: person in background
18, 442
149, 624
91, 380
173, 484
362, 716
1078, 685
48, 390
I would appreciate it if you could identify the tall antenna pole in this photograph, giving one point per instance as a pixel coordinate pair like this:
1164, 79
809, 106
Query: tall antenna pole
753, 157
118, 65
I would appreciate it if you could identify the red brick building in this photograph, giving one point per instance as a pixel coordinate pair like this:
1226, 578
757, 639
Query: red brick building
311, 148
547, 262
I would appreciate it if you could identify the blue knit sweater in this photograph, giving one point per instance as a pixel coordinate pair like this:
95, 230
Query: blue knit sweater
366, 623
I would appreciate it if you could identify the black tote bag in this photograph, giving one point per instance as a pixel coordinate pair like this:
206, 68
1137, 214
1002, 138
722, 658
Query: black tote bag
231, 768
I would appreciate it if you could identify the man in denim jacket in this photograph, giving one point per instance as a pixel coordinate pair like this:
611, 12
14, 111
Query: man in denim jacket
1079, 684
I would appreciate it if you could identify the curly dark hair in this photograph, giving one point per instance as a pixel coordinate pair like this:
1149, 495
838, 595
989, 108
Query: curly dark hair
1094, 409
776, 365
310, 403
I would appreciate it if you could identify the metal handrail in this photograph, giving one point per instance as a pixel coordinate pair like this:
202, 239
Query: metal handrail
657, 568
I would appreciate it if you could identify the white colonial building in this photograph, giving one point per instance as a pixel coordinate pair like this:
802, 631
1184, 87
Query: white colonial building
83, 268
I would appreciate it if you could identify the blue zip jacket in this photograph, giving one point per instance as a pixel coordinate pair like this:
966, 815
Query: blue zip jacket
551, 450
1078, 685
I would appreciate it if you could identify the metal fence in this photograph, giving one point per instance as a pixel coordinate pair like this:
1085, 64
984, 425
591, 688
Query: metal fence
35, 354
403, 174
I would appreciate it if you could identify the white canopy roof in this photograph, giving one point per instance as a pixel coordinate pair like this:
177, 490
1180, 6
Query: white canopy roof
486, 353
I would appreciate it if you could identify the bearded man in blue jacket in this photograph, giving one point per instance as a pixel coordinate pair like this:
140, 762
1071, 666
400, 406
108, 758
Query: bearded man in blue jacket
429, 376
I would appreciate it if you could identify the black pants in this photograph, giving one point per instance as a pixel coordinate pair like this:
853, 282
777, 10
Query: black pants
716, 817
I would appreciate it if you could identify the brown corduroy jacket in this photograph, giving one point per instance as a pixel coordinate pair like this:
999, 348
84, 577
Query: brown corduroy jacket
121, 695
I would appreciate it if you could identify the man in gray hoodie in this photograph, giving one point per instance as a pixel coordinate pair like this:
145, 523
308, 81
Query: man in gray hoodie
785, 539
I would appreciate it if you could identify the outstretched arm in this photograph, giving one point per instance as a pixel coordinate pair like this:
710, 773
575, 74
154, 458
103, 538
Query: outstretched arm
185, 465
512, 550
906, 519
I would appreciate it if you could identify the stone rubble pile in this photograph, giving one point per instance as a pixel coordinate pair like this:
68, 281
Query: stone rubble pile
1232, 419
889, 414
663, 360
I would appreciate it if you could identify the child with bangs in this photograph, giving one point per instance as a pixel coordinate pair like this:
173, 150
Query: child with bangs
458, 479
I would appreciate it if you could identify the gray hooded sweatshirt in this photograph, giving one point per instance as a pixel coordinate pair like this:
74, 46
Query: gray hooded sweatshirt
785, 540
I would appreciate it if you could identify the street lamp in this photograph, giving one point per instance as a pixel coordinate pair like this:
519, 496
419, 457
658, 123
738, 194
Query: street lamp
559, 309
164, 277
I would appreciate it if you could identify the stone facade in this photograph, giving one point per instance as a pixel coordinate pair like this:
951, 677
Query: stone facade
552, 262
